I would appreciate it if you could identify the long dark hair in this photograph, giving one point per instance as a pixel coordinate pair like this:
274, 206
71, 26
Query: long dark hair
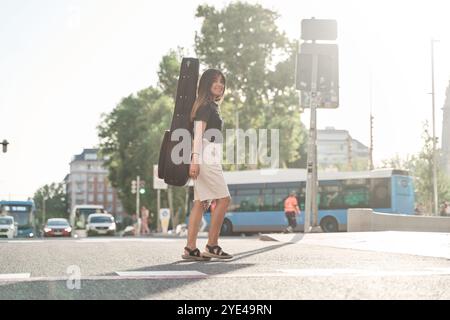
204, 90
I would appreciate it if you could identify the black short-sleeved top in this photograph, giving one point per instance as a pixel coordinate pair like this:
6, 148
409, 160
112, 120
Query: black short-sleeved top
210, 114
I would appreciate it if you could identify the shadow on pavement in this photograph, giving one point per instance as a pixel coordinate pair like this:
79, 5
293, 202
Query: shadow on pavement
125, 289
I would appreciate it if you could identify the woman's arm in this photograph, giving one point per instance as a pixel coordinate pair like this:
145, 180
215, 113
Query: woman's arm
199, 129
194, 168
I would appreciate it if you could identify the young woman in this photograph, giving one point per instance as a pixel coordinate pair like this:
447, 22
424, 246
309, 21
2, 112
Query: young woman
206, 167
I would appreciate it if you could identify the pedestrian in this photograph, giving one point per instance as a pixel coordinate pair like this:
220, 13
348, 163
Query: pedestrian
206, 167
145, 215
443, 208
291, 210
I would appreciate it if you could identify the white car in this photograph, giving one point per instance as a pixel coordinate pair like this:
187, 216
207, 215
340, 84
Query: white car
100, 224
7, 227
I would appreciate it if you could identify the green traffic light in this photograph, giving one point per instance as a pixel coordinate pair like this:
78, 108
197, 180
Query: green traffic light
142, 191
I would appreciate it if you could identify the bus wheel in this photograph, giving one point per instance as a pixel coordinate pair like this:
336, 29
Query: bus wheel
329, 224
227, 228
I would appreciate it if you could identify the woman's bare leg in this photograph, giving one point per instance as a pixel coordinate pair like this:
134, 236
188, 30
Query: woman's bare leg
194, 223
217, 220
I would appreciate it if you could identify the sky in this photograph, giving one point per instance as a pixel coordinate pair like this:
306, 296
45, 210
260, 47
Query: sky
63, 63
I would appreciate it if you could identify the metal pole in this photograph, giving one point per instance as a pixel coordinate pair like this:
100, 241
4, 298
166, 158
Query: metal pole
311, 179
43, 210
371, 166
435, 190
158, 207
237, 138
314, 184
138, 231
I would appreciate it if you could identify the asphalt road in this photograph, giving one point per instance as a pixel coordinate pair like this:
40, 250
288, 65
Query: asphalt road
381, 265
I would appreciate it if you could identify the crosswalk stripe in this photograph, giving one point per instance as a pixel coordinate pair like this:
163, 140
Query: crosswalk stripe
14, 276
162, 274
193, 274
86, 240
25, 241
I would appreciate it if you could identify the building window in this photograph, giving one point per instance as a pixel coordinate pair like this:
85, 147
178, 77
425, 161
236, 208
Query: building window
110, 197
90, 197
90, 187
80, 187
100, 197
100, 186
90, 156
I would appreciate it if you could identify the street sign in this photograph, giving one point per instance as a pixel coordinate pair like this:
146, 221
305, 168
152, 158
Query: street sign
327, 80
164, 217
157, 182
319, 29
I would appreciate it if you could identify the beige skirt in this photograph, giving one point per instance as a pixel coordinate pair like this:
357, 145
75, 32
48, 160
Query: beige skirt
210, 183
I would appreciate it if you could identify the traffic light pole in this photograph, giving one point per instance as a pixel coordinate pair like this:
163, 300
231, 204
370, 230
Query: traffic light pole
138, 193
311, 179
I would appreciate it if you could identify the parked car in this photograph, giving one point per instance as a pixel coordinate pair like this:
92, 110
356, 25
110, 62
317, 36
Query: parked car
100, 224
7, 227
57, 227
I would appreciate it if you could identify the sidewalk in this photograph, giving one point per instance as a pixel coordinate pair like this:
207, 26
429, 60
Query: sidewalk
430, 244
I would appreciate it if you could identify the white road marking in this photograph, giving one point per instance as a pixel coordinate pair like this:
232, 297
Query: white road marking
103, 240
193, 274
14, 276
25, 241
162, 274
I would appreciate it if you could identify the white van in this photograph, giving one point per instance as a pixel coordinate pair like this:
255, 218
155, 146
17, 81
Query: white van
100, 224
80, 214
7, 227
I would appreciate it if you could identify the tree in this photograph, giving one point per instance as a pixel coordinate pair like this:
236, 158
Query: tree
420, 167
258, 61
169, 70
130, 139
55, 198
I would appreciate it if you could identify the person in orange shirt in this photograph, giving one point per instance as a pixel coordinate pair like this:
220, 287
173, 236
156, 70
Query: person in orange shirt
291, 210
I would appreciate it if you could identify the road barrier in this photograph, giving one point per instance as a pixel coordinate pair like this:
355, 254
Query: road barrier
368, 220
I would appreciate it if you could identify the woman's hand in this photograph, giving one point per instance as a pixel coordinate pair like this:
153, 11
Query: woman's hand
194, 170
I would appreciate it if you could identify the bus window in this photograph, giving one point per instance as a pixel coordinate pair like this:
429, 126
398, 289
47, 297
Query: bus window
280, 194
355, 193
267, 200
380, 193
356, 196
247, 200
331, 197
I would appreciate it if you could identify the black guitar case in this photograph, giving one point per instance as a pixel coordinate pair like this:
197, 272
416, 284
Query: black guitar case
178, 174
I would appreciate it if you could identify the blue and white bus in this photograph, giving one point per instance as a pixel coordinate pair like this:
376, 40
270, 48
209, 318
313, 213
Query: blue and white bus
258, 196
24, 214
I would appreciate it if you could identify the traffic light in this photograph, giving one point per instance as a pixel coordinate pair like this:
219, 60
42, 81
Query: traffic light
133, 186
142, 187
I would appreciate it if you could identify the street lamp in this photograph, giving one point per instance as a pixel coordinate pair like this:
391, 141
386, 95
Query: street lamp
435, 191
5, 145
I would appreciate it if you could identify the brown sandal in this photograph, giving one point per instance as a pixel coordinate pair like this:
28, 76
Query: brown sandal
216, 252
194, 255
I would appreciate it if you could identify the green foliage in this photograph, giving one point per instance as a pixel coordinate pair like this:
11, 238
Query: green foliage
169, 69
55, 201
258, 61
420, 167
130, 139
